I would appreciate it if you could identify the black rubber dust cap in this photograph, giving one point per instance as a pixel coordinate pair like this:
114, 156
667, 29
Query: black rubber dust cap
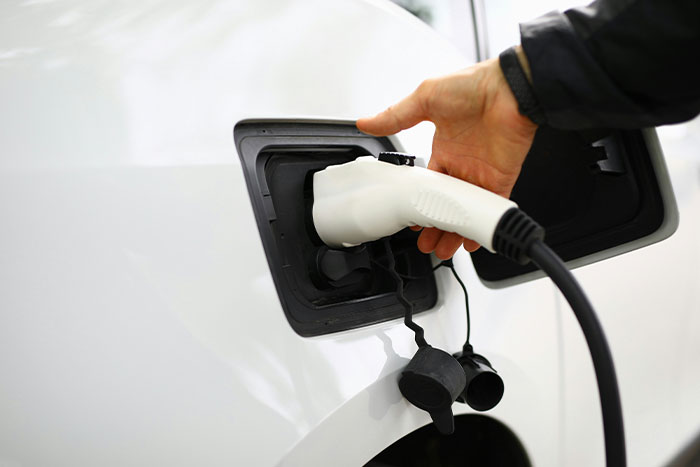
484, 388
431, 381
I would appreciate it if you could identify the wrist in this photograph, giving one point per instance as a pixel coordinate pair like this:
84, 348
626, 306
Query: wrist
524, 63
517, 73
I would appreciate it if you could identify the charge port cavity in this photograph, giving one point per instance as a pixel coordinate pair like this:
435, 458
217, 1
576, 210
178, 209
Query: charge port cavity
324, 290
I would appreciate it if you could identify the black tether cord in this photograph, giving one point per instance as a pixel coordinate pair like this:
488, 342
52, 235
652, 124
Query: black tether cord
449, 264
408, 306
610, 403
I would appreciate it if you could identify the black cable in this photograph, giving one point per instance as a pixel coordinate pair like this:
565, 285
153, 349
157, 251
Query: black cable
449, 264
408, 306
611, 406
407, 276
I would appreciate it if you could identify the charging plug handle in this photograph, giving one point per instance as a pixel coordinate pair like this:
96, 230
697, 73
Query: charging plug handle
367, 199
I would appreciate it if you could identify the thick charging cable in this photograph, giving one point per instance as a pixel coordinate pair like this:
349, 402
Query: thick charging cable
519, 238
611, 406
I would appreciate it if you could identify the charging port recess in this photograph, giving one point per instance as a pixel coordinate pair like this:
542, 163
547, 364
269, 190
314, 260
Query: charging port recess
597, 193
323, 290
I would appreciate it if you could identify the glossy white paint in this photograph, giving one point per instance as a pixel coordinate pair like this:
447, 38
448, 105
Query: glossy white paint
138, 320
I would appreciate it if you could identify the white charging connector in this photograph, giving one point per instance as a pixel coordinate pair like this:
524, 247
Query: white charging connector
366, 199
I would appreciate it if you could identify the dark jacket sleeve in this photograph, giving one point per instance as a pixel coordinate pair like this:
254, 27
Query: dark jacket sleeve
616, 64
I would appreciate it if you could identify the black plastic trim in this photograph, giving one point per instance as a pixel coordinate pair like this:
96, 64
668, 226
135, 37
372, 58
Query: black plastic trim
591, 191
278, 160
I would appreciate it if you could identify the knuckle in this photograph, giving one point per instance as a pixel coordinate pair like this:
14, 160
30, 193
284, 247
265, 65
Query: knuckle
427, 83
424, 88
424, 92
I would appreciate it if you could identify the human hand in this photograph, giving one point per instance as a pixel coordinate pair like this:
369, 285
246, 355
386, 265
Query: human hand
479, 137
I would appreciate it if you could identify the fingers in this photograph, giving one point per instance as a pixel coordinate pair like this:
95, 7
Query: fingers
428, 239
444, 244
433, 164
448, 245
405, 114
471, 246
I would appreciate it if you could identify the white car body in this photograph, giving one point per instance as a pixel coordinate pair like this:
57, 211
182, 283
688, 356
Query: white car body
139, 324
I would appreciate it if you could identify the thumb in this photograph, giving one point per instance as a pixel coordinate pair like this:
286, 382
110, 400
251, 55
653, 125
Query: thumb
405, 114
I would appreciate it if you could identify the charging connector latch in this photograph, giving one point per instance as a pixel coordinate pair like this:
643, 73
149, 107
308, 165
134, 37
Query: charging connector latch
397, 158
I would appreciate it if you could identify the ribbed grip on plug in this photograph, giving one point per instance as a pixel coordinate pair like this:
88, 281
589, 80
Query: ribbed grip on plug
514, 234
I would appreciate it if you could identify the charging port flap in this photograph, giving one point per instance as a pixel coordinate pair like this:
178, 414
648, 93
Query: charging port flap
597, 193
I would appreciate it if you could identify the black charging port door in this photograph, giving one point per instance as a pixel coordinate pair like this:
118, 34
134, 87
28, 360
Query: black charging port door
597, 193
323, 290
